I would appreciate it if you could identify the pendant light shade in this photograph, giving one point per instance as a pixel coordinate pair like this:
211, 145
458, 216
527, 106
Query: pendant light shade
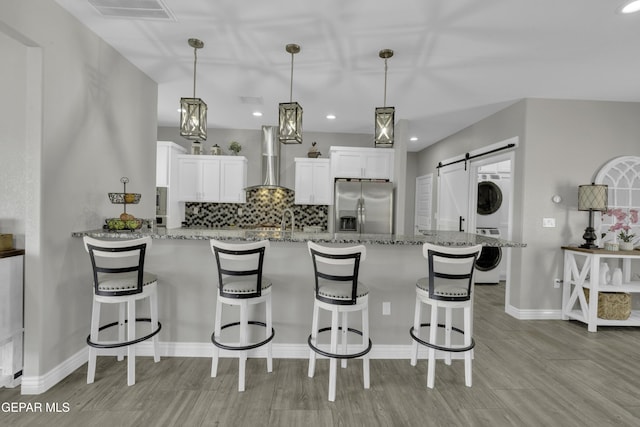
290, 113
384, 116
193, 111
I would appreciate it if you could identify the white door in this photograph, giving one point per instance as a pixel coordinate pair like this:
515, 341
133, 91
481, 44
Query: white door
424, 197
453, 197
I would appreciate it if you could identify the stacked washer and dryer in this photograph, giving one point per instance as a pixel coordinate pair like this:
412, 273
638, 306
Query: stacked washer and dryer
492, 219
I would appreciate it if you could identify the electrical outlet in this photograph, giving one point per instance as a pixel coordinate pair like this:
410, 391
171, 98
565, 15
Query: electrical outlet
557, 283
239, 211
195, 209
548, 222
386, 308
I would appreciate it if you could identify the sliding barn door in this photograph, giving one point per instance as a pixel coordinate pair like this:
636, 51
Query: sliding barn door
453, 197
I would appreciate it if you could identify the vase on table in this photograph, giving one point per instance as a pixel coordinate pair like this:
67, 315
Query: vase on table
625, 246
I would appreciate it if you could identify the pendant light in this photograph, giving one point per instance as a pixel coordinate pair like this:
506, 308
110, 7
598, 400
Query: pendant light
290, 113
193, 111
384, 116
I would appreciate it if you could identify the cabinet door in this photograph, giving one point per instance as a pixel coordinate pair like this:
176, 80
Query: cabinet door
313, 182
346, 164
233, 180
188, 179
11, 291
378, 165
322, 185
304, 183
209, 180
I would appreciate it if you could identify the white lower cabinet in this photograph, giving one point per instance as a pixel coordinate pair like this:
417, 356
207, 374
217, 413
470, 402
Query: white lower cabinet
11, 326
313, 185
212, 179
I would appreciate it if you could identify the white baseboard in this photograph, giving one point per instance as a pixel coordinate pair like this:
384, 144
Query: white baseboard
280, 351
534, 314
40, 384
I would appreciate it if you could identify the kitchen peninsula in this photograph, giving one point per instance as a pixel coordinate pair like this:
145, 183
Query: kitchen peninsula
187, 281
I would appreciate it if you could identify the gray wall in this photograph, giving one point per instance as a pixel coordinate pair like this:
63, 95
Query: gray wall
562, 145
89, 119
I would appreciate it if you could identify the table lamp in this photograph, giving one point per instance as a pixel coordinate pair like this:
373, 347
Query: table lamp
591, 198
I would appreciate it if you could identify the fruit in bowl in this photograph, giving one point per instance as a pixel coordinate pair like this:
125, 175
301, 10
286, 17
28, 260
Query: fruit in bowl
115, 224
130, 223
133, 224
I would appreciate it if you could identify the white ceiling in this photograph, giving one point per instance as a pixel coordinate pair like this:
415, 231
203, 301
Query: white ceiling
455, 62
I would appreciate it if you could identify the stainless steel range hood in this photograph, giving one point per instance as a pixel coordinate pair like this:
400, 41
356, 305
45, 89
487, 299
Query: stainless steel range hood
270, 160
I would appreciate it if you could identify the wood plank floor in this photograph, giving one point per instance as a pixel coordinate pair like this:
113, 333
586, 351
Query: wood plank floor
526, 373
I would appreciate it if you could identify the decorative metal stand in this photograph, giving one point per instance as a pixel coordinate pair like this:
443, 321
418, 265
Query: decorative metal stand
124, 198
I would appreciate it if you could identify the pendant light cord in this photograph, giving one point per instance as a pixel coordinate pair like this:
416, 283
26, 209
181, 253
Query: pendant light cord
384, 104
291, 84
195, 63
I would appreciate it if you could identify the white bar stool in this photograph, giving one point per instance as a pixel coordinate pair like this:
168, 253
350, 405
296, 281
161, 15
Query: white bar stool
241, 283
449, 286
338, 291
123, 284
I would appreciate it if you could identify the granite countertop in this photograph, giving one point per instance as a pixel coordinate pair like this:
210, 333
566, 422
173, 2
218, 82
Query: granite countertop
444, 238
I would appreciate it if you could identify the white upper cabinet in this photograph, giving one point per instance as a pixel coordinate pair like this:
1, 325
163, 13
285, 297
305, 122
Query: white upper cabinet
212, 178
167, 176
233, 179
358, 162
166, 152
313, 182
162, 165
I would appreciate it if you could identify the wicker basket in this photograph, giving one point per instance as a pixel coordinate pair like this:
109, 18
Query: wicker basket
612, 305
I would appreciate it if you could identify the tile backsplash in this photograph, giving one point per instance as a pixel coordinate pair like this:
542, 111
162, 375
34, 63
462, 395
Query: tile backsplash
264, 207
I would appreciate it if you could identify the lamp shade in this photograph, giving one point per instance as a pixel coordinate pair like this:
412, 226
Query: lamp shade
592, 197
384, 126
193, 119
290, 123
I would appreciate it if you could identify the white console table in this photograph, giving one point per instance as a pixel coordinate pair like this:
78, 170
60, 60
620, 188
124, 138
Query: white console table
11, 323
582, 270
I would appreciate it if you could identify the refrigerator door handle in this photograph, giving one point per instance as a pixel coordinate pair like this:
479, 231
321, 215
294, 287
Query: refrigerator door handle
363, 216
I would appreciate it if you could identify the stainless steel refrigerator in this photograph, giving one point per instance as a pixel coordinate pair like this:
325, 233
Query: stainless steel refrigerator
363, 206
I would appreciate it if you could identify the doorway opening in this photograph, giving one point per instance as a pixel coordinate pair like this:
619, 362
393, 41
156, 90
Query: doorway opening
476, 197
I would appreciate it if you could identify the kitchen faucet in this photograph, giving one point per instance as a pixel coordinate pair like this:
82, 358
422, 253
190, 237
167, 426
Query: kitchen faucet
293, 220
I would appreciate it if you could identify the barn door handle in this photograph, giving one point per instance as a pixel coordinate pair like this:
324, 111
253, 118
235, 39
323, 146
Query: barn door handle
460, 228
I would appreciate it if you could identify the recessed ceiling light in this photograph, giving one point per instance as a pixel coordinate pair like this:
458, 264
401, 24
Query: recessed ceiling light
631, 7
331, 116
257, 113
413, 138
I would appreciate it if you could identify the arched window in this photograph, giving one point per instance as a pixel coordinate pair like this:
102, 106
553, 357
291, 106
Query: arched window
622, 175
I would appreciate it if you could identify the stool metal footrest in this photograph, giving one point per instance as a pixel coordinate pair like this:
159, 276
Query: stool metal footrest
244, 347
124, 343
339, 356
438, 347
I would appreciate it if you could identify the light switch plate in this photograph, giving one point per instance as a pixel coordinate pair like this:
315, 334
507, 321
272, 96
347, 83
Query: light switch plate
386, 308
548, 222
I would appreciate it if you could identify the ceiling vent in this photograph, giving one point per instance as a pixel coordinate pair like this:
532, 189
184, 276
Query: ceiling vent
133, 9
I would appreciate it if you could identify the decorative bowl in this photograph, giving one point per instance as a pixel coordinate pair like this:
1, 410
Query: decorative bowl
121, 198
116, 224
